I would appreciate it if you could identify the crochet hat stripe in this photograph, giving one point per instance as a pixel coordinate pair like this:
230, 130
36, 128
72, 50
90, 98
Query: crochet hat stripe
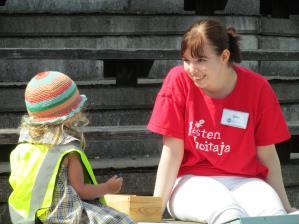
59, 111
52, 97
36, 95
57, 118
53, 102
44, 78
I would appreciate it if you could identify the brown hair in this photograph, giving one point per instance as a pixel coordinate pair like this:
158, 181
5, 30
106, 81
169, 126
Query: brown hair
217, 35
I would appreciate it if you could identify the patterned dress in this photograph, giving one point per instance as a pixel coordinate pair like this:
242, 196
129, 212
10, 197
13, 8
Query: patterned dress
67, 207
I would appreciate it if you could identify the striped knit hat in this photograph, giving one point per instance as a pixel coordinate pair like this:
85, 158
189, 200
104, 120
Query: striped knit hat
52, 97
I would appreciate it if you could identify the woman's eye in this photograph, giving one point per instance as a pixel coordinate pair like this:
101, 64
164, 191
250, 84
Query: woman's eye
200, 60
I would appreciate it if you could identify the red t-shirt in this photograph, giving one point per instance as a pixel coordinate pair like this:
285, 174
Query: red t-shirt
220, 135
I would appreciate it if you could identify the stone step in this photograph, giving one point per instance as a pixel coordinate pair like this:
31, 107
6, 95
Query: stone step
130, 142
72, 25
127, 133
85, 70
140, 180
129, 145
131, 54
244, 7
122, 62
92, 134
123, 117
95, 6
279, 27
111, 97
249, 41
101, 96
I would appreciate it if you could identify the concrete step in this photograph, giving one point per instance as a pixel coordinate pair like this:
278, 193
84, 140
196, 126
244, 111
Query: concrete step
141, 180
92, 134
45, 25
109, 117
123, 117
249, 41
244, 7
112, 97
85, 70
131, 54
279, 27
118, 141
101, 96
96, 6
72, 25
122, 62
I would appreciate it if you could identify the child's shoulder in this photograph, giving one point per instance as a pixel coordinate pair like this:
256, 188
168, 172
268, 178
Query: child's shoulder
25, 147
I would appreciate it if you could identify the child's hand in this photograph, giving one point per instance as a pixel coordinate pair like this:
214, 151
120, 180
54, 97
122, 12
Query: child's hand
114, 184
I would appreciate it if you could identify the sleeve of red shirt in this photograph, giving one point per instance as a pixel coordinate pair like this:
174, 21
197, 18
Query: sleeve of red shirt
271, 127
168, 114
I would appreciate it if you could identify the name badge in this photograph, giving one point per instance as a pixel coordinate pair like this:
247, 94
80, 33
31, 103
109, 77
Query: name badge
234, 118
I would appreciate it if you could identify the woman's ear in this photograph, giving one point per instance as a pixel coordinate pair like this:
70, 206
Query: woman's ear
225, 55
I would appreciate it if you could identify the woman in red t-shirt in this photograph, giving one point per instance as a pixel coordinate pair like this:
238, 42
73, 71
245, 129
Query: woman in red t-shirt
220, 123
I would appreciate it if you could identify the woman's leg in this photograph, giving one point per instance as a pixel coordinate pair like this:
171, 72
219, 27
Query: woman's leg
257, 197
203, 199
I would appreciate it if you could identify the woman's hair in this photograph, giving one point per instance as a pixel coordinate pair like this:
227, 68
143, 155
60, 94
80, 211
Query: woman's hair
216, 34
70, 126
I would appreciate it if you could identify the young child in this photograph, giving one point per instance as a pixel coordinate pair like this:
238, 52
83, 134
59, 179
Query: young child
51, 177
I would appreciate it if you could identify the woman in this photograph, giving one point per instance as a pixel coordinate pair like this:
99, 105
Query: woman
220, 123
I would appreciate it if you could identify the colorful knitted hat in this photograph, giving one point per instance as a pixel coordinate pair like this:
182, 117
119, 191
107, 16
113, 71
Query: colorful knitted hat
52, 97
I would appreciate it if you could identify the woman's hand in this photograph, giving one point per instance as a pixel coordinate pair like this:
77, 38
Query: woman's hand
114, 184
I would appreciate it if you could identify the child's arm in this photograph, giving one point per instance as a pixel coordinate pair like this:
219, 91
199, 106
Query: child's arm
89, 191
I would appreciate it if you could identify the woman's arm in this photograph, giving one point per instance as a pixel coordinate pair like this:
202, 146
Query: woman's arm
171, 158
89, 191
268, 156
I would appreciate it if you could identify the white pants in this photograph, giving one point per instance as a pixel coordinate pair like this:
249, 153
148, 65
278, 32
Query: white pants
218, 199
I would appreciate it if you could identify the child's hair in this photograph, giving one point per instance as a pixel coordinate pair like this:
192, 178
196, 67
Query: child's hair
216, 34
53, 104
71, 126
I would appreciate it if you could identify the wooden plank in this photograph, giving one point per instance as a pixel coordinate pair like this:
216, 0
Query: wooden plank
131, 54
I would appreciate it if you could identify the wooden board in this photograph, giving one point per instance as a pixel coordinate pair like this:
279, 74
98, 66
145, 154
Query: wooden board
139, 208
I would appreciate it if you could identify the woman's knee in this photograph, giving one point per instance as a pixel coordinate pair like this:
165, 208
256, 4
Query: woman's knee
263, 201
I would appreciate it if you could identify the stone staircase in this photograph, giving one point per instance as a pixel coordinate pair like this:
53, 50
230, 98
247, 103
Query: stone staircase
118, 52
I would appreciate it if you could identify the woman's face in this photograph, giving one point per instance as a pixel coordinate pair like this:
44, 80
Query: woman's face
205, 71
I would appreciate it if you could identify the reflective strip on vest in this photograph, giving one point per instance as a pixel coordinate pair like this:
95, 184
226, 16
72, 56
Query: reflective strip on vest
41, 183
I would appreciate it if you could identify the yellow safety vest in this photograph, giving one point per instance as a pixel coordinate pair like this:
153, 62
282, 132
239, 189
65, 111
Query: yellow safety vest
34, 169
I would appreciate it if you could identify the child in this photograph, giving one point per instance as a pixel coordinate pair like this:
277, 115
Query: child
51, 177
